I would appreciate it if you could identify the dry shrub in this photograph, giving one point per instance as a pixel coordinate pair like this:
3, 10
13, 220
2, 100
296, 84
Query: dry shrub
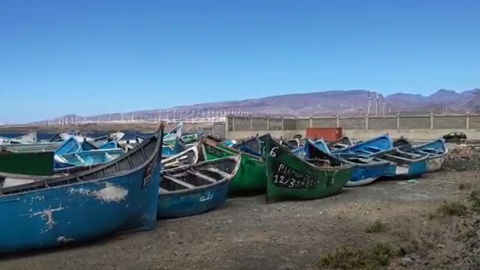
370, 258
449, 209
450, 242
377, 227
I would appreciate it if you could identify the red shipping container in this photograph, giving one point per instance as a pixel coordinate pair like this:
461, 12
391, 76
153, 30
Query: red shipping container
327, 134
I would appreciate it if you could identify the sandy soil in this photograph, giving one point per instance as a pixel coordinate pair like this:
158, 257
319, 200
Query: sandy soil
249, 234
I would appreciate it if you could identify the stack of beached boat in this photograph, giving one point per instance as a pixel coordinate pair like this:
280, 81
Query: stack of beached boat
73, 180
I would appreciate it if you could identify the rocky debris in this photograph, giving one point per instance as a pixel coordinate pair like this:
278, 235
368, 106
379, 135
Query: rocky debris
463, 157
407, 261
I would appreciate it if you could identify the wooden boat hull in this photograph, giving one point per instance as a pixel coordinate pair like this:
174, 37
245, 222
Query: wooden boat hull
367, 174
197, 200
290, 177
404, 165
168, 151
341, 143
435, 162
377, 144
253, 146
365, 170
87, 158
109, 145
187, 157
194, 203
93, 210
436, 151
251, 175
56, 210
88, 146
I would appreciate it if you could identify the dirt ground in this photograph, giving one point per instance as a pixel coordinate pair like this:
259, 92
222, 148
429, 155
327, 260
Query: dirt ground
249, 234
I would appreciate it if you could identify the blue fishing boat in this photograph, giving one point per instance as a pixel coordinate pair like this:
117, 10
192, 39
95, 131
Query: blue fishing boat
187, 157
71, 145
403, 165
195, 189
88, 146
29, 138
168, 151
121, 195
299, 151
139, 139
365, 169
229, 143
292, 143
105, 139
341, 143
174, 133
172, 150
253, 145
436, 151
377, 144
85, 158
287, 144
322, 145
109, 145
180, 146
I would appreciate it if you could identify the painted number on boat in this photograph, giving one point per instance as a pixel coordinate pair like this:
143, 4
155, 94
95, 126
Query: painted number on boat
273, 152
286, 177
148, 172
330, 179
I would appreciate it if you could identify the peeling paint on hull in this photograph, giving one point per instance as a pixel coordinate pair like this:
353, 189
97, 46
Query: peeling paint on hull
78, 212
435, 163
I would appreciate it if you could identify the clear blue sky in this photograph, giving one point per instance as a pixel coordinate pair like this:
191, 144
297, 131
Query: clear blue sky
88, 57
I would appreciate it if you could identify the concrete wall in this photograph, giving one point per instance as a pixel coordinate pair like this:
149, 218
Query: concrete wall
421, 127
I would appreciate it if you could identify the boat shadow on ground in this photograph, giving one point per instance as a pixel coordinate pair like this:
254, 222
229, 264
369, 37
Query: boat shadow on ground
247, 194
8, 256
105, 240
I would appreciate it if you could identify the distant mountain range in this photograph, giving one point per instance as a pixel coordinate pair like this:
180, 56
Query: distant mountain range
327, 103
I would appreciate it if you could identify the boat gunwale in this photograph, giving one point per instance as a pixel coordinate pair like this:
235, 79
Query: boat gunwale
317, 168
332, 156
231, 150
355, 147
362, 165
194, 149
421, 158
165, 173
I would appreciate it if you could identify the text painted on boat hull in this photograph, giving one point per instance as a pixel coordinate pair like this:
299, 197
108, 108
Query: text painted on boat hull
148, 172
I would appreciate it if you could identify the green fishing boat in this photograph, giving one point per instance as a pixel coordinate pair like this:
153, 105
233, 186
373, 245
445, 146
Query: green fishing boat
291, 177
250, 176
27, 163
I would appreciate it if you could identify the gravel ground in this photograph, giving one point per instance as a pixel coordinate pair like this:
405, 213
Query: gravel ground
249, 234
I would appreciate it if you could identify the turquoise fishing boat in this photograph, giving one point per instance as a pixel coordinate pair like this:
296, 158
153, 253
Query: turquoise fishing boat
195, 189
436, 151
376, 144
403, 165
121, 195
366, 169
87, 158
